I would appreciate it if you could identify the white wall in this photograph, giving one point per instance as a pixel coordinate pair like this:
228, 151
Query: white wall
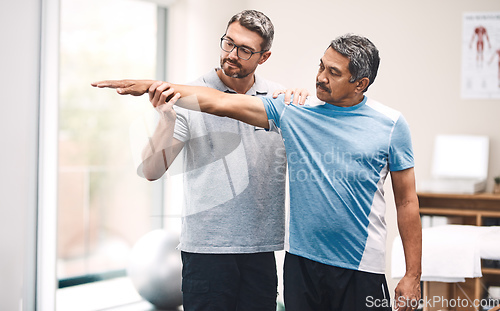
19, 80
194, 30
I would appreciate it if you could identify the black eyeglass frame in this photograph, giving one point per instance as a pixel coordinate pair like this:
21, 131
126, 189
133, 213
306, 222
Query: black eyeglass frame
238, 47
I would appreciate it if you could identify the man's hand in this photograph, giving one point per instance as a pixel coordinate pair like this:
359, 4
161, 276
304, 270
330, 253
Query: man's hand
299, 96
126, 87
160, 93
407, 294
162, 97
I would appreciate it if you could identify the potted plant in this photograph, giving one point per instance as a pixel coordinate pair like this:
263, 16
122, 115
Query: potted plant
496, 188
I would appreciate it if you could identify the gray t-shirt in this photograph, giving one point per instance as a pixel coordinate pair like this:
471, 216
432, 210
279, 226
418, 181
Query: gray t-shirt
234, 180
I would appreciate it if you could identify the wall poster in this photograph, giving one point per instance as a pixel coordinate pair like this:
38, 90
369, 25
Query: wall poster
481, 55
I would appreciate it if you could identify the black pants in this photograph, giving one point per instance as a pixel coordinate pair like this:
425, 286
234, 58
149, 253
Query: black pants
313, 286
235, 282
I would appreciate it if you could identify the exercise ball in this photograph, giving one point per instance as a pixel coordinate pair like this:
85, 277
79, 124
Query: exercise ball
155, 269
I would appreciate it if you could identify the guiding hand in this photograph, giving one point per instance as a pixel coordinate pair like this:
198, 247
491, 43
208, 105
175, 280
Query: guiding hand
163, 98
299, 96
161, 93
167, 109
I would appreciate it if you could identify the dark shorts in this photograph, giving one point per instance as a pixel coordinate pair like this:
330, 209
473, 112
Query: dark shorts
313, 286
221, 282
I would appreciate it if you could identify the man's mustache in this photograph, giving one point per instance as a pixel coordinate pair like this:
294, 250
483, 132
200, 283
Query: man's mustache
323, 87
227, 60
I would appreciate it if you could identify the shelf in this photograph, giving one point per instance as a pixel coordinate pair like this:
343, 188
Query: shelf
493, 271
469, 202
457, 212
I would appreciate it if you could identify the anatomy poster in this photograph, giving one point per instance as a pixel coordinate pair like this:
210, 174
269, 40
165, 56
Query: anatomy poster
481, 55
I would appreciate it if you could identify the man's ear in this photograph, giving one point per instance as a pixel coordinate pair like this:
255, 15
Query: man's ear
362, 84
265, 56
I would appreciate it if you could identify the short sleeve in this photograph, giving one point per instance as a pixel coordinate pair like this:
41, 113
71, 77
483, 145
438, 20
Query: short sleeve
274, 109
181, 130
400, 149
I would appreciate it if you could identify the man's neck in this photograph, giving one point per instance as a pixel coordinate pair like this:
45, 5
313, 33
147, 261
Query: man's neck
350, 102
239, 85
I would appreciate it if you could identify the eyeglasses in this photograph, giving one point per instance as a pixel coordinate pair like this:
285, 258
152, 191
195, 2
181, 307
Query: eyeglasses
244, 53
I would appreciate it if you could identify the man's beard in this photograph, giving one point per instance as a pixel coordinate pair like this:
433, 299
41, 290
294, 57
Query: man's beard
240, 74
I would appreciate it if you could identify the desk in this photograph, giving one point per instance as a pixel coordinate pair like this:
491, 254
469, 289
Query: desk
467, 210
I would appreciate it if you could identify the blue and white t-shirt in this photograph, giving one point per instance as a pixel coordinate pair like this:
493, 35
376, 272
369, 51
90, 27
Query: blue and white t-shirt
338, 159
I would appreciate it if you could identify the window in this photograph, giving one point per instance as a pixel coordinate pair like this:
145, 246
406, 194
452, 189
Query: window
103, 207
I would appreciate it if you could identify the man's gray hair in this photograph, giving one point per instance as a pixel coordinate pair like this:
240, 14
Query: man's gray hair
363, 56
258, 22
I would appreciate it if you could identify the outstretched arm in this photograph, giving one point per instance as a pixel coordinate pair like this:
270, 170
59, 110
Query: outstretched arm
408, 217
245, 108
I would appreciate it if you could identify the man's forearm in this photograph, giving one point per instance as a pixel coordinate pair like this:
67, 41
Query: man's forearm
158, 153
245, 108
410, 230
194, 97
201, 98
